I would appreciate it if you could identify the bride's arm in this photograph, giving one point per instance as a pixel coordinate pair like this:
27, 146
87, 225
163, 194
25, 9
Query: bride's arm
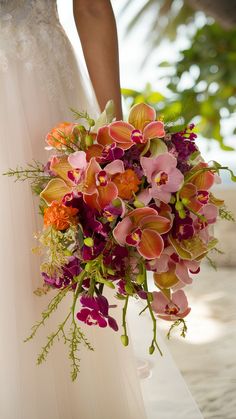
96, 26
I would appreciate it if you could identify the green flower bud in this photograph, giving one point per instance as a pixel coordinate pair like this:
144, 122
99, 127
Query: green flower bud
129, 289
80, 128
140, 279
185, 201
172, 199
151, 349
124, 340
182, 214
179, 205
88, 266
68, 252
88, 140
91, 122
89, 242
138, 204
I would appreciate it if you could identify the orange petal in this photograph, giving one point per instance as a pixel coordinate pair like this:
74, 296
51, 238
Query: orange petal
55, 190
157, 223
92, 201
137, 214
140, 115
154, 130
106, 194
189, 192
103, 136
94, 150
120, 131
151, 244
203, 180
90, 181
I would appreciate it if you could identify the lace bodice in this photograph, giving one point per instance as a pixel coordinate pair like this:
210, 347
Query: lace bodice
31, 34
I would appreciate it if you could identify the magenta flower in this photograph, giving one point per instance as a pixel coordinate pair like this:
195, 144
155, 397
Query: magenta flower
170, 309
163, 175
95, 312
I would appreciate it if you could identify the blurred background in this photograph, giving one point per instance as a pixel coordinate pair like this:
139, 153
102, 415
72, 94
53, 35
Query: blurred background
180, 57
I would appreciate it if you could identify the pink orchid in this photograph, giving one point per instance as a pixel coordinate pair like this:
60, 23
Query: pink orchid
99, 190
179, 269
142, 228
140, 128
170, 309
163, 175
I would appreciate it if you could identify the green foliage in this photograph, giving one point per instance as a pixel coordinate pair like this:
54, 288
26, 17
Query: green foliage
208, 63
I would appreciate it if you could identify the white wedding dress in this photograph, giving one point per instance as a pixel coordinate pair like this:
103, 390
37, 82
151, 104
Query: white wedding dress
39, 82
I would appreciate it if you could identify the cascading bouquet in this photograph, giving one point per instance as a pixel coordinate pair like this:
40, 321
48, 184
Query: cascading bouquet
119, 199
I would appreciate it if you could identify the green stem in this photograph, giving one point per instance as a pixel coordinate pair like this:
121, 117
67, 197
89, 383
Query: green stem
154, 339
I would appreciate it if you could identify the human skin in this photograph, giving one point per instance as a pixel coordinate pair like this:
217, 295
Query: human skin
97, 30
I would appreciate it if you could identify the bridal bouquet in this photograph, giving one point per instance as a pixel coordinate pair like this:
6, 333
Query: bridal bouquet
119, 199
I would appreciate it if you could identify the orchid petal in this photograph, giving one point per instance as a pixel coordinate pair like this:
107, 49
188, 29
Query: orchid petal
61, 167
157, 223
122, 230
106, 194
140, 115
121, 131
154, 130
137, 214
103, 136
90, 181
55, 190
78, 160
151, 244
116, 166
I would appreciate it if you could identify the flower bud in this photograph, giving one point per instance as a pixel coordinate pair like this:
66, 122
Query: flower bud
124, 340
182, 214
179, 205
91, 122
80, 128
89, 242
138, 204
140, 278
151, 349
88, 140
185, 201
172, 199
129, 289
68, 252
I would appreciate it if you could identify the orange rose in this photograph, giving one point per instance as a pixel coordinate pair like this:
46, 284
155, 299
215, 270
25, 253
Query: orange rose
59, 216
127, 183
59, 134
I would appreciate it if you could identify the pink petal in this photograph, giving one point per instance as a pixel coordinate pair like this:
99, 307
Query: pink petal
209, 211
159, 302
154, 130
144, 196
181, 272
175, 181
116, 166
179, 298
122, 230
78, 160
160, 194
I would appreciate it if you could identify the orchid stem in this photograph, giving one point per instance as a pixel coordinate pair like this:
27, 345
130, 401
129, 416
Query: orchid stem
154, 343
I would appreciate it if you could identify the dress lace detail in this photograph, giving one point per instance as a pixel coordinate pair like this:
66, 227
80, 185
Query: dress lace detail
31, 33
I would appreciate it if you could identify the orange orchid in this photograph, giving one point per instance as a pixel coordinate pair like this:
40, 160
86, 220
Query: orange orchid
99, 190
142, 228
140, 128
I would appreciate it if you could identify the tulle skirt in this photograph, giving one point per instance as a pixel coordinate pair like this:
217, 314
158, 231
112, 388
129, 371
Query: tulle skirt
108, 385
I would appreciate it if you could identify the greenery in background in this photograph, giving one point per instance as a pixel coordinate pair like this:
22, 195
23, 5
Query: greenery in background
209, 61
